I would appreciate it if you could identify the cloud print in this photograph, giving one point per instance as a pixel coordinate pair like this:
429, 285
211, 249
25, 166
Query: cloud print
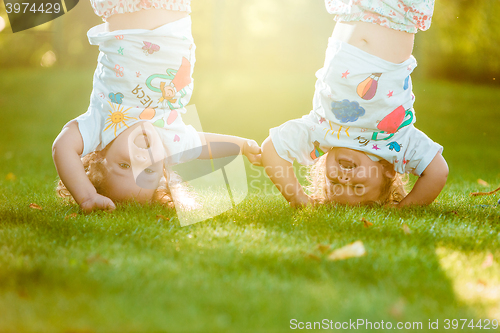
347, 111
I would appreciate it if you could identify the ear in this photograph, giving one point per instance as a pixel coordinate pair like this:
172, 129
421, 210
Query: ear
101, 156
388, 169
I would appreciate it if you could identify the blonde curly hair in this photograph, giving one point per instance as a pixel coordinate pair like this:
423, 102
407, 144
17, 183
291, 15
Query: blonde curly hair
392, 192
170, 184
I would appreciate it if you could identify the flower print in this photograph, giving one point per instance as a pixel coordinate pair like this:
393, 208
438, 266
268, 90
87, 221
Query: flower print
118, 70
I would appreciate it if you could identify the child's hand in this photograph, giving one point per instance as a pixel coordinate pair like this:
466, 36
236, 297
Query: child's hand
96, 202
301, 200
253, 152
429, 185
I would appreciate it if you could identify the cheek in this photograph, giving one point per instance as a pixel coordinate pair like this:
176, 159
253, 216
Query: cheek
148, 181
331, 170
144, 196
137, 194
157, 151
126, 189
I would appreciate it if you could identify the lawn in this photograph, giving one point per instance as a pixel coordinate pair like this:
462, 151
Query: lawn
256, 267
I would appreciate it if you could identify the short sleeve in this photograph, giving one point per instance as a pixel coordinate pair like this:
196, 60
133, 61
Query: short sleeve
89, 125
182, 144
192, 146
419, 152
293, 140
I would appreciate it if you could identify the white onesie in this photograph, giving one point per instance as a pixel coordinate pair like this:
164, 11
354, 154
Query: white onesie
142, 75
361, 102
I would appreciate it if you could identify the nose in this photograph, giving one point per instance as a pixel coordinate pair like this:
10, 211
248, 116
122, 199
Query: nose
140, 158
336, 175
343, 178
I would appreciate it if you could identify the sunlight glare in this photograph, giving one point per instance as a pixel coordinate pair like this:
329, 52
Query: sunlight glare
472, 283
260, 19
48, 59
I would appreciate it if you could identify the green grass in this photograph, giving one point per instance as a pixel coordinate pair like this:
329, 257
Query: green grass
249, 269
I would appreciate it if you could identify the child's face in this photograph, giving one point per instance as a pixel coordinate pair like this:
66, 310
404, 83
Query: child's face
352, 177
135, 164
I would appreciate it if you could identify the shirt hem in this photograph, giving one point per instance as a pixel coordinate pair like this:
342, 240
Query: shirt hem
141, 6
274, 133
388, 24
424, 163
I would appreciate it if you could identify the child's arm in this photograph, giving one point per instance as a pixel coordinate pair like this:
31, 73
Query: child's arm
218, 147
429, 185
66, 152
283, 176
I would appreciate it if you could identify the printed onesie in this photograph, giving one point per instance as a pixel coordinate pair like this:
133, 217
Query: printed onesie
142, 75
361, 102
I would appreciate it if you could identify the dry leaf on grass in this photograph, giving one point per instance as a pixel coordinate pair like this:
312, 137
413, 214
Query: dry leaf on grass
482, 182
397, 310
96, 259
70, 216
10, 176
318, 252
406, 229
78, 330
22, 293
482, 283
366, 223
313, 257
488, 261
475, 194
323, 248
352, 250
35, 206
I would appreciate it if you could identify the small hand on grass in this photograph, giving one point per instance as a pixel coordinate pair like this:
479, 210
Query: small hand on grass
301, 200
97, 202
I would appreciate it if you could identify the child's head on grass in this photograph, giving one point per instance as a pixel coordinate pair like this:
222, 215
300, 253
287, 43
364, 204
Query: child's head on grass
350, 177
130, 168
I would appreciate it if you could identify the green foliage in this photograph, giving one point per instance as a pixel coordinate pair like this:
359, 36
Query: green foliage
66, 37
249, 269
462, 42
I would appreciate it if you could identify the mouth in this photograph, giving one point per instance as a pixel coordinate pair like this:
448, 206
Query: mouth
346, 164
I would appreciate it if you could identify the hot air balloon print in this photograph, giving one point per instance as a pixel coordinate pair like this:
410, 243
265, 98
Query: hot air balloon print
317, 152
368, 88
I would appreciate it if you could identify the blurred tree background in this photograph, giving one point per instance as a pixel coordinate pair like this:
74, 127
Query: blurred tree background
280, 35
462, 43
